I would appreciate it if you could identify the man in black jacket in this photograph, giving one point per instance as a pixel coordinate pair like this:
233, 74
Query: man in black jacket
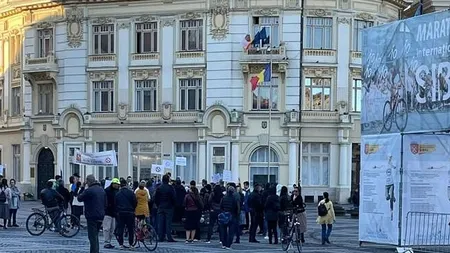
165, 200
52, 201
109, 222
256, 212
126, 203
94, 198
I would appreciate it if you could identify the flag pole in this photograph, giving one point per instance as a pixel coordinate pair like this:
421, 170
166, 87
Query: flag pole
270, 105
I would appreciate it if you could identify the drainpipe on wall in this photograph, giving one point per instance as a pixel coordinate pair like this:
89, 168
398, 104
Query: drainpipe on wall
300, 93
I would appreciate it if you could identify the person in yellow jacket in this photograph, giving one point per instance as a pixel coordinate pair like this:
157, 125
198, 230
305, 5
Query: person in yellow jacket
326, 217
142, 196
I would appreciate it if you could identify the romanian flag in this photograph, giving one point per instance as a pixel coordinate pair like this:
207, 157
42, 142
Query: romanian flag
263, 76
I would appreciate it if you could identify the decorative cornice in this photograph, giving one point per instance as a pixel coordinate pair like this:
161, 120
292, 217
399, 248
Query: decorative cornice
102, 21
266, 12
145, 74
319, 72
74, 19
146, 19
124, 25
24, 8
44, 25
190, 73
219, 22
167, 22
320, 13
191, 16
365, 16
343, 20
101, 76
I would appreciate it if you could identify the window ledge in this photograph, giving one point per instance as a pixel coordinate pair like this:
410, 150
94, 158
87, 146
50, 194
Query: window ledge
356, 54
145, 56
102, 57
190, 54
319, 52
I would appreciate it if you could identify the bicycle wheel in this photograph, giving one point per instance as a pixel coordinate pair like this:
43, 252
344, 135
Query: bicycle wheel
387, 116
36, 224
401, 115
66, 227
297, 241
150, 239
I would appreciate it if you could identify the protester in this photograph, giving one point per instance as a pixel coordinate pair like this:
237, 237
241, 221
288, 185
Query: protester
271, 208
256, 212
246, 192
228, 218
165, 200
285, 205
241, 217
5, 197
14, 203
95, 202
180, 192
299, 212
109, 222
326, 218
52, 202
65, 193
77, 206
193, 211
215, 199
126, 203
142, 197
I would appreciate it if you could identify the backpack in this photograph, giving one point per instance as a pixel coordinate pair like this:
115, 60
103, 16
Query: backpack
2, 196
322, 210
224, 218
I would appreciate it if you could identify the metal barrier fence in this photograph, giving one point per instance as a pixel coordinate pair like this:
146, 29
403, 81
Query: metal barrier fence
428, 232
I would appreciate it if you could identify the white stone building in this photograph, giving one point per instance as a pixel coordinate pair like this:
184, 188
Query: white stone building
154, 80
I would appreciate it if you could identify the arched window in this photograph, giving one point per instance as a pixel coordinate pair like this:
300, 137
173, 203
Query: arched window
259, 162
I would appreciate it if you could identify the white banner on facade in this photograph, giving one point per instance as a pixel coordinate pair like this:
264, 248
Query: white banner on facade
426, 189
157, 169
105, 158
379, 198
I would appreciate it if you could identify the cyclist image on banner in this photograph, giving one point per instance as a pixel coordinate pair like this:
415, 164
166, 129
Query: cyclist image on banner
390, 196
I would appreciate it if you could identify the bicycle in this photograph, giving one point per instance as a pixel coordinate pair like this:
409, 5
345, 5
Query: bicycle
293, 235
145, 234
42, 221
395, 110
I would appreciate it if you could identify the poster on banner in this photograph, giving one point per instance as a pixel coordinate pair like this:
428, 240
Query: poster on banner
406, 75
379, 194
107, 183
180, 161
157, 169
168, 164
99, 158
426, 189
216, 178
227, 176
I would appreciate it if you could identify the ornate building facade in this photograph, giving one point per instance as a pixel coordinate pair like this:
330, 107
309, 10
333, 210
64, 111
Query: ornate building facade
155, 80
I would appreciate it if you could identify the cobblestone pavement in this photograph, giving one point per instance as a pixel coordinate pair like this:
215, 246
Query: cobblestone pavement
344, 240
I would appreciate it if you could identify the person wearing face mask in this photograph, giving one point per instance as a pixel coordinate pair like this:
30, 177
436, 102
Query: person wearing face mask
109, 222
14, 203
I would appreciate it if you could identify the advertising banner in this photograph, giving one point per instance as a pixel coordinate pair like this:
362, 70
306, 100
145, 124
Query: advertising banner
105, 158
426, 189
379, 194
406, 75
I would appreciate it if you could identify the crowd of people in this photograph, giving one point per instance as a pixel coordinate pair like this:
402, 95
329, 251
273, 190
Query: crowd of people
113, 205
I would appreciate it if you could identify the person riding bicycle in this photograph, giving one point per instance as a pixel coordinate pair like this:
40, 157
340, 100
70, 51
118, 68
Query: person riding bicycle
52, 201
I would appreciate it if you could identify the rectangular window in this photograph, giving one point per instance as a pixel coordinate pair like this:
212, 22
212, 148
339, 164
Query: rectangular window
74, 168
146, 37
191, 33
45, 37
108, 171
315, 164
317, 94
261, 95
191, 95
271, 24
358, 27
146, 95
103, 92
16, 162
103, 39
189, 151
356, 95
319, 33
143, 155
45, 98
16, 101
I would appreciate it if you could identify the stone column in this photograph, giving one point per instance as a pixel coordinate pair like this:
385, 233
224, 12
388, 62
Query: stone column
202, 174
26, 158
60, 162
235, 150
343, 51
293, 146
123, 55
344, 166
167, 57
89, 149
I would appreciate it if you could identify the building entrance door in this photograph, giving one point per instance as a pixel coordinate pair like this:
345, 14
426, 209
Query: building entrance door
45, 168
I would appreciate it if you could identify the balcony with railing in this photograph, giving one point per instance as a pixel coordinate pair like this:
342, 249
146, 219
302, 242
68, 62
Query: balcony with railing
145, 59
319, 55
40, 64
102, 61
264, 55
356, 57
320, 116
145, 117
190, 57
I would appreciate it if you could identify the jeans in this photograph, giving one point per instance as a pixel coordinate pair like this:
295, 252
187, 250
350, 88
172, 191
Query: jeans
154, 218
272, 230
256, 219
247, 220
54, 213
12, 216
125, 219
165, 224
93, 228
326, 232
228, 232
212, 222
109, 226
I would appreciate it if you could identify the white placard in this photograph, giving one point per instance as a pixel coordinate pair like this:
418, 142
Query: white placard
180, 161
107, 183
216, 178
157, 169
168, 164
98, 158
227, 176
2, 171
